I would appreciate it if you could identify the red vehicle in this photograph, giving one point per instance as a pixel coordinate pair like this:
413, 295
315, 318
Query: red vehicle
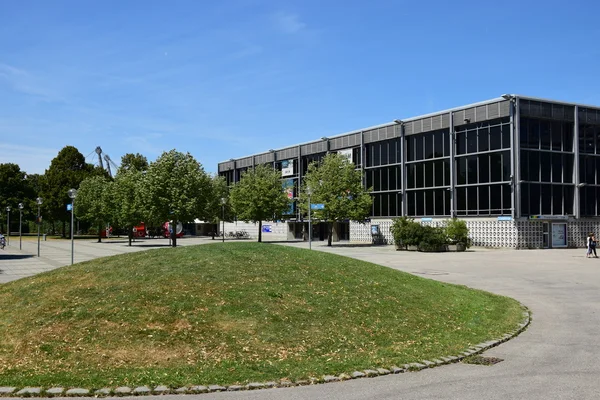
167, 230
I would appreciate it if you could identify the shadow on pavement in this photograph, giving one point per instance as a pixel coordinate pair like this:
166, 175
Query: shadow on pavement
15, 256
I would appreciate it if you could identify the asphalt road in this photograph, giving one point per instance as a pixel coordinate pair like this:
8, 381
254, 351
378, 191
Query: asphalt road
555, 358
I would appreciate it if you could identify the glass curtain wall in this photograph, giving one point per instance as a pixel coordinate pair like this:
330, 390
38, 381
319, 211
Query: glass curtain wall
428, 174
547, 160
482, 157
589, 169
383, 172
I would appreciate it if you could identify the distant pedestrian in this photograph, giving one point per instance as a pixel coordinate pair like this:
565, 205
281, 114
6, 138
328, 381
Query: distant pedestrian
591, 244
2, 241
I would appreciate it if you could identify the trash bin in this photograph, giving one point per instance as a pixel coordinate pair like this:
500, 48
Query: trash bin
44, 237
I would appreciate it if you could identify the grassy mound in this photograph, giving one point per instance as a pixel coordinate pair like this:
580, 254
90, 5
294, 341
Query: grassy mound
231, 313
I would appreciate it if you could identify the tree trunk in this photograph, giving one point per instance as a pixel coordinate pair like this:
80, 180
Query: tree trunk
100, 233
64, 228
174, 233
259, 231
329, 233
130, 234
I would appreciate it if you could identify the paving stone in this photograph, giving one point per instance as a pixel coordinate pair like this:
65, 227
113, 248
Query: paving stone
447, 359
29, 391
383, 371
270, 384
7, 390
344, 377
438, 362
55, 391
257, 385
428, 363
77, 392
102, 392
453, 358
141, 390
357, 374
161, 389
216, 388
181, 390
234, 388
371, 372
199, 389
123, 390
285, 383
330, 378
397, 370
302, 382
417, 366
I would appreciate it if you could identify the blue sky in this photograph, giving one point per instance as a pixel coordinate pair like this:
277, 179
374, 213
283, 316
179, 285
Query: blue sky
233, 78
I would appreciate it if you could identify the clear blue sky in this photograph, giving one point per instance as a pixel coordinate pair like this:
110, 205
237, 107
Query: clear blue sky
233, 78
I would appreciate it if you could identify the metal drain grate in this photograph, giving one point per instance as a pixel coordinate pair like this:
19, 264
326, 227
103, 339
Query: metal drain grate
481, 360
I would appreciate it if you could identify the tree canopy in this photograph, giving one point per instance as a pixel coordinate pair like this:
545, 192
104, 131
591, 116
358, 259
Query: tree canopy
93, 201
337, 185
259, 196
135, 162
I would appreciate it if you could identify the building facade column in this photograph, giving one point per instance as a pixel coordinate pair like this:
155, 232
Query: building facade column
576, 172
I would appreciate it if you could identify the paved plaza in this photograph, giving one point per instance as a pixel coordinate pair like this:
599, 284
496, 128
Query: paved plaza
555, 358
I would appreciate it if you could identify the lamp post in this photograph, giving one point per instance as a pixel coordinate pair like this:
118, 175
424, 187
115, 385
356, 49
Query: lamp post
8, 225
309, 192
20, 225
223, 201
39, 202
72, 194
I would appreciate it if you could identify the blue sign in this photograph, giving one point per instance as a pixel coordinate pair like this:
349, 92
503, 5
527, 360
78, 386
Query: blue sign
426, 219
504, 218
317, 206
69, 207
267, 229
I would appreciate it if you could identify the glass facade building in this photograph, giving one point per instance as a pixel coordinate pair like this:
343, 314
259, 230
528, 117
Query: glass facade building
525, 168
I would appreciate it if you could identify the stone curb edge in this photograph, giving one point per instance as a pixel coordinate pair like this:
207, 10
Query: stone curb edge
368, 373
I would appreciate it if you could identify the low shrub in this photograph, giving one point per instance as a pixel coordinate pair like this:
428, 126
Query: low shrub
433, 239
406, 232
457, 232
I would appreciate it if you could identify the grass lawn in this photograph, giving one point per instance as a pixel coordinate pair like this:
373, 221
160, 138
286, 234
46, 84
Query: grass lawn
231, 313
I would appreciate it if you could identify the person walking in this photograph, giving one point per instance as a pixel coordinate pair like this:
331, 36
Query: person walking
591, 246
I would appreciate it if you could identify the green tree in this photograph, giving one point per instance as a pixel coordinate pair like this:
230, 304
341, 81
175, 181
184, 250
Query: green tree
176, 188
92, 203
126, 200
14, 189
338, 185
259, 196
136, 162
66, 171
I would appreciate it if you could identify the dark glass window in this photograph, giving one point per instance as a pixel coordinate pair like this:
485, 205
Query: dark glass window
384, 179
384, 146
496, 167
392, 178
557, 196
438, 143
411, 174
534, 134
377, 179
420, 200
556, 128
546, 199
506, 136
568, 168
484, 168
418, 147
410, 148
495, 138
495, 199
438, 173
439, 201
429, 174
461, 200
409, 197
567, 134
586, 140
428, 138
484, 199
557, 167
446, 136
461, 177
534, 199
385, 210
472, 141
545, 135
506, 170
377, 205
399, 177
545, 166
419, 176
461, 142
472, 167
429, 203
483, 134
376, 151
524, 165
447, 172
472, 200
506, 199
524, 199
524, 133
534, 166
369, 176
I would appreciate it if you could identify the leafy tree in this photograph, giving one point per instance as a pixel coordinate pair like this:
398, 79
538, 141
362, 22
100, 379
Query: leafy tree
259, 196
126, 200
66, 171
338, 185
176, 188
136, 162
14, 189
92, 203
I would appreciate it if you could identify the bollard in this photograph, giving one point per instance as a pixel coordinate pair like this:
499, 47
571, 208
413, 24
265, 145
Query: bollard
44, 237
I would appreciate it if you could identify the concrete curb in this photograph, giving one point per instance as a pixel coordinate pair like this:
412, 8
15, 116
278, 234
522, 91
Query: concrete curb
196, 389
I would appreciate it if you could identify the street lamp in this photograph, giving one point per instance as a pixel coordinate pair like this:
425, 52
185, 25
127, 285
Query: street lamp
39, 202
223, 201
72, 194
20, 225
309, 192
8, 225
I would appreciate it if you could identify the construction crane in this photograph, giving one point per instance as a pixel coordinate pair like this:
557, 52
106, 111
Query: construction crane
109, 161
